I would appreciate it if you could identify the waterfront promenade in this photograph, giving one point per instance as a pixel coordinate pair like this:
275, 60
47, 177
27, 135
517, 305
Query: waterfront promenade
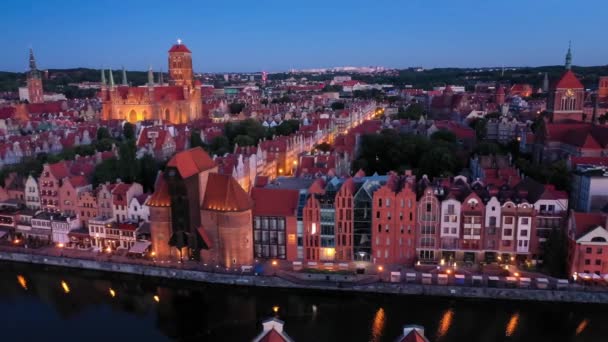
191, 271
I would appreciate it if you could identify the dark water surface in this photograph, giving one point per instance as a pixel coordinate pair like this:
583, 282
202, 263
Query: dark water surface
51, 304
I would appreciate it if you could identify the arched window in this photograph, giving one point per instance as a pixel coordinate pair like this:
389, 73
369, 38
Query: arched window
167, 115
133, 116
598, 239
144, 115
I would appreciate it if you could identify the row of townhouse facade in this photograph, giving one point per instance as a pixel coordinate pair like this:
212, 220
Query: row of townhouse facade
396, 219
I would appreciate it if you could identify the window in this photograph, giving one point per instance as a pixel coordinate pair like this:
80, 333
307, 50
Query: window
492, 221
587, 262
509, 220
588, 250
508, 232
428, 207
524, 232
525, 220
598, 262
599, 250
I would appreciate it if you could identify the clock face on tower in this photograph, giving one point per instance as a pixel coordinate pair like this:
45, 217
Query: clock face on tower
569, 92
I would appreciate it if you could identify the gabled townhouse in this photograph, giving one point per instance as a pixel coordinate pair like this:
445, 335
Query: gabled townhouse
138, 210
122, 194
393, 221
587, 244
70, 189
32, 193
49, 183
87, 206
105, 206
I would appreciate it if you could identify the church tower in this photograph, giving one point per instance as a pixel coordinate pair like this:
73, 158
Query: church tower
567, 96
34, 82
180, 65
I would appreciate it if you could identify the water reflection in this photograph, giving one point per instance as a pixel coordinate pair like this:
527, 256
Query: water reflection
378, 325
445, 323
512, 325
226, 313
65, 287
581, 326
21, 280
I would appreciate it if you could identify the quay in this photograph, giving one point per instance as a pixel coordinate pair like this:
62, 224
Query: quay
568, 294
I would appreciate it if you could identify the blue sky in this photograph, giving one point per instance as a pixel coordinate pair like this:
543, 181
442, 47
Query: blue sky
273, 35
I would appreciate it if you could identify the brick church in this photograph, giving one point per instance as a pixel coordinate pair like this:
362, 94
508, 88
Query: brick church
179, 101
567, 96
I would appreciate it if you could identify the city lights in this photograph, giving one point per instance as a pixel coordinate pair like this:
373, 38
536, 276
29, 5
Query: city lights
21, 280
65, 287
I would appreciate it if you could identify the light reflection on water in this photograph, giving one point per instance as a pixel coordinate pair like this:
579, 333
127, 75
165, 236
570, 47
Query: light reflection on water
163, 310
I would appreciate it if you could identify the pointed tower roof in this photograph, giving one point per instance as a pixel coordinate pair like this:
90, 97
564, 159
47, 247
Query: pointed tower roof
111, 77
103, 77
150, 77
179, 47
568, 80
32, 60
569, 56
124, 76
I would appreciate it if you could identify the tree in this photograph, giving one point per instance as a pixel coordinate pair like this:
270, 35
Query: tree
555, 253
106, 171
128, 131
236, 107
127, 165
444, 135
244, 140
219, 145
287, 127
148, 170
412, 112
480, 125
338, 105
195, 139
103, 133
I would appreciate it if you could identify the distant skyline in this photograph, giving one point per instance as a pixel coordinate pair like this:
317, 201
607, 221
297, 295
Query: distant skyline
272, 35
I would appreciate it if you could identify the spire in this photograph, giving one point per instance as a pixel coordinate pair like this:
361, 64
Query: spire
160, 77
111, 78
569, 56
32, 60
103, 77
150, 77
546, 83
124, 76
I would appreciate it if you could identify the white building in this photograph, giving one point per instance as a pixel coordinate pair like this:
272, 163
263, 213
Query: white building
138, 210
32, 193
61, 226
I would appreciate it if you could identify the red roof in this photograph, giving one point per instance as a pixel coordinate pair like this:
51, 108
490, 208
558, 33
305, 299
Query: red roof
273, 336
223, 193
191, 162
413, 336
274, 202
179, 48
569, 80
59, 170
586, 221
79, 181
575, 161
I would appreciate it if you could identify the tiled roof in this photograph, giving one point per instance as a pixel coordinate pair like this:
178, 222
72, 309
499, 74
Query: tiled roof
179, 48
191, 162
274, 202
586, 221
223, 193
568, 80
59, 170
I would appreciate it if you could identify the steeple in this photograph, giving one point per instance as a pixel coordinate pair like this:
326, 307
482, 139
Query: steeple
160, 77
32, 60
103, 77
546, 83
111, 78
150, 77
569, 56
124, 77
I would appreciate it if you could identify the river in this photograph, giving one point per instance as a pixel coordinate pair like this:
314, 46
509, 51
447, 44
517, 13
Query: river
62, 304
